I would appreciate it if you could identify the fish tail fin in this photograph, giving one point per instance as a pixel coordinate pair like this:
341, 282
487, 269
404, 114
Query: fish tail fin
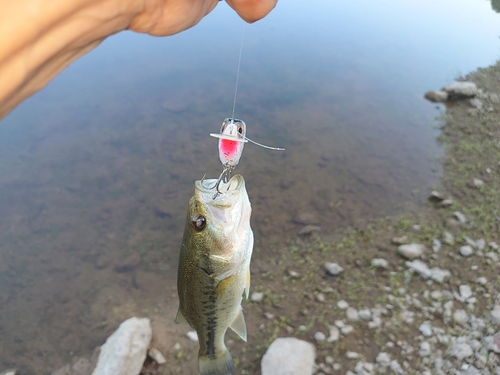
222, 364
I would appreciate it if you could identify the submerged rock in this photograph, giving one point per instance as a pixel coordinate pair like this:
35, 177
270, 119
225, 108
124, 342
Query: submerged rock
289, 356
436, 96
125, 350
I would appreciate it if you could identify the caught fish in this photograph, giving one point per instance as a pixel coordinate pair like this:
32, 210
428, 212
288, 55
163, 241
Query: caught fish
214, 270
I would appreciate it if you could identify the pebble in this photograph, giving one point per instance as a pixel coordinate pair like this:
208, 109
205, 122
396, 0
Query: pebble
320, 297
365, 314
425, 349
465, 291
495, 315
383, 359
352, 314
494, 246
293, 274
482, 280
460, 351
380, 263
156, 355
466, 251
400, 240
352, 355
342, 304
411, 251
446, 203
462, 219
319, 336
334, 334
333, 269
257, 296
425, 329
460, 317
192, 335
436, 245
491, 255
346, 330
448, 238
436, 196
288, 355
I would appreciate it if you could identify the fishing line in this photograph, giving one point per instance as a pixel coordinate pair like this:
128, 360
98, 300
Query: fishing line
238, 70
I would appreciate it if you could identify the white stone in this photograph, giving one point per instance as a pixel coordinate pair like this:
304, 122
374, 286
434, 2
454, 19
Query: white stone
460, 217
125, 350
365, 314
156, 356
425, 349
460, 89
319, 336
257, 296
478, 182
460, 317
352, 355
383, 359
465, 291
491, 255
346, 330
495, 314
436, 245
380, 263
426, 329
192, 335
411, 251
482, 280
334, 334
494, 246
333, 269
466, 251
342, 304
460, 351
448, 238
289, 356
351, 314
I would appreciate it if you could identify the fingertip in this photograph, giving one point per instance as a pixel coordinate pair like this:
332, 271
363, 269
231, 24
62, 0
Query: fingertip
252, 10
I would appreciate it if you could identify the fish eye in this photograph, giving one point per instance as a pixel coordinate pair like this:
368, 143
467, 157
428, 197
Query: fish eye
199, 223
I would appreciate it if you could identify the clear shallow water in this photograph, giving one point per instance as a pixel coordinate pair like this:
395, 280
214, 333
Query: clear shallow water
100, 165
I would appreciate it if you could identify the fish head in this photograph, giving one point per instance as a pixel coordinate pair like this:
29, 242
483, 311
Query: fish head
220, 226
231, 143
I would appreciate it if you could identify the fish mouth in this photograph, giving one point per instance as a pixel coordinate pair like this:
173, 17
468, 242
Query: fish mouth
207, 187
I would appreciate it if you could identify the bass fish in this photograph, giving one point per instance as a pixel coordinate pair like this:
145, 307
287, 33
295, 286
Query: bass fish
214, 269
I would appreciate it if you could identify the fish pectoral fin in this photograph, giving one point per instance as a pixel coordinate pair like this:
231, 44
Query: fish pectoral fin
247, 283
179, 318
239, 326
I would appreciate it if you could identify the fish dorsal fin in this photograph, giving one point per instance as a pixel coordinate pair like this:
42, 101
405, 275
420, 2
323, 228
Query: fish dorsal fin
247, 283
179, 319
239, 326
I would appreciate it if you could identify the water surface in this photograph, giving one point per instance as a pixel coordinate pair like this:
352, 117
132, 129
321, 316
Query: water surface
98, 167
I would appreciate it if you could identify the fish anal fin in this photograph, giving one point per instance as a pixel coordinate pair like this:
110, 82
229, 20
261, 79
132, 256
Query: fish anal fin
179, 318
239, 326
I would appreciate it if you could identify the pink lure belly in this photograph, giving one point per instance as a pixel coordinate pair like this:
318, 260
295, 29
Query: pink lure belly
229, 148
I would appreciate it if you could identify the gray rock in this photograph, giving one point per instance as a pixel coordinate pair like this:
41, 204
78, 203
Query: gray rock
306, 218
495, 314
425, 349
448, 238
460, 351
319, 336
478, 182
334, 334
493, 98
352, 314
494, 246
437, 274
352, 355
482, 280
462, 219
460, 317
289, 356
342, 304
125, 350
383, 359
380, 263
412, 251
491, 255
365, 314
465, 291
436, 245
396, 368
256, 296
436, 196
12, 372
156, 356
492, 343
192, 335
400, 240
446, 203
309, 230
460, 90
466, 251
333, 269
476, 103
426, 329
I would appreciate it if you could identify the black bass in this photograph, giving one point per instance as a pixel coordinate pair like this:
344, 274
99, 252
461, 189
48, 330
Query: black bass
214, 269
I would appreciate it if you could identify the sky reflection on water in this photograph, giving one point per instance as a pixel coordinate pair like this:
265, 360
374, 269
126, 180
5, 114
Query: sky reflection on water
100, 165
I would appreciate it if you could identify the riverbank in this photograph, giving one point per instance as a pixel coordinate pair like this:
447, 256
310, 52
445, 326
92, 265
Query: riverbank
434, 311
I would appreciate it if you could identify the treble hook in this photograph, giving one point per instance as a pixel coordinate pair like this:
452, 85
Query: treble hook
224, 177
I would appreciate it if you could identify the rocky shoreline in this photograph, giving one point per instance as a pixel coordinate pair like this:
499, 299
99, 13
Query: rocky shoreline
414, 294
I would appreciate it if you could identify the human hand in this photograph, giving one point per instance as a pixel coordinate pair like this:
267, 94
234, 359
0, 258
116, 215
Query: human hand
168, 17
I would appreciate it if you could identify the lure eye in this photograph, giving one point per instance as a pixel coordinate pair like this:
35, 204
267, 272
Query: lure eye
240, 129
223, 127
199, 223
